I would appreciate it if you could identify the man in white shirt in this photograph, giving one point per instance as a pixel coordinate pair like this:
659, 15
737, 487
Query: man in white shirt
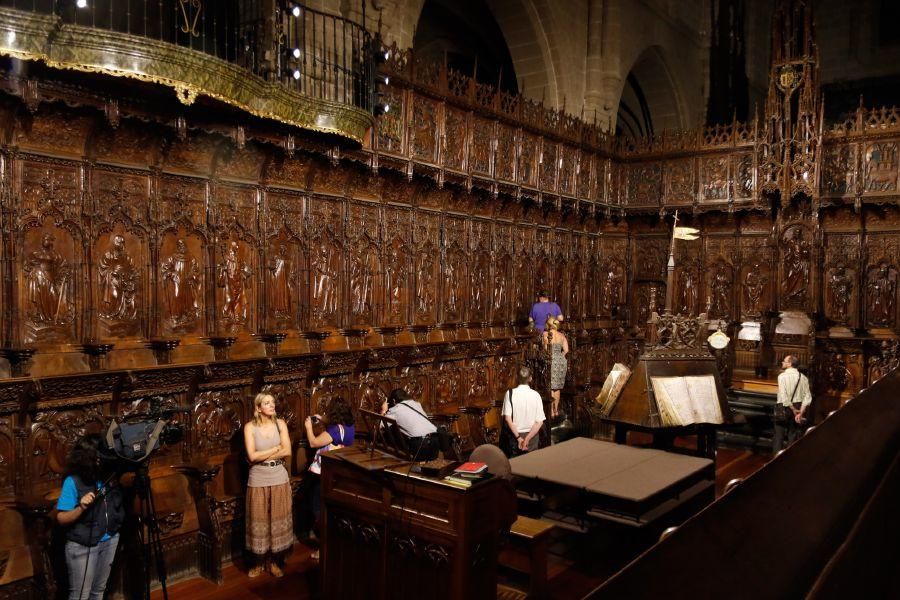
412, 421
523, 412
793, 401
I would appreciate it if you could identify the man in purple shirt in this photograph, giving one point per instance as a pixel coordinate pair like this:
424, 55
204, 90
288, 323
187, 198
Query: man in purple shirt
542, 309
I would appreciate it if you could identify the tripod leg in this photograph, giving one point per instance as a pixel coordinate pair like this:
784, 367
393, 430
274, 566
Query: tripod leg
155, 546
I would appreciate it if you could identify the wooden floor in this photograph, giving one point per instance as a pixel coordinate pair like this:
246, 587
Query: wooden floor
571, 575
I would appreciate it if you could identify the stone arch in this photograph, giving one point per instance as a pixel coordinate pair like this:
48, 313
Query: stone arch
650, 101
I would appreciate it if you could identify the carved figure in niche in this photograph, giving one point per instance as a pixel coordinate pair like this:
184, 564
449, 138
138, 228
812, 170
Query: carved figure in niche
118, 284
796, 269
841, 290
754, 285
687, 291
396, 278
424, 286
499, 292
48, 277
612, 290
881, 294
281, 283
181, 278
887, 361
362, 281
450, 283
478, 280
325, 272
234, 277
721, 291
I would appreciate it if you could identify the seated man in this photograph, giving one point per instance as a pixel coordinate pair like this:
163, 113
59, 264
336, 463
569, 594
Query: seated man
413, 423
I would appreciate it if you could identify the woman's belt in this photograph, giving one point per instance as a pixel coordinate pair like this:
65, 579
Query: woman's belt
272, 463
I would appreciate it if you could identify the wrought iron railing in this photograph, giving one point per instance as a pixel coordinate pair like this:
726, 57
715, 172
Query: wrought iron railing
320, 56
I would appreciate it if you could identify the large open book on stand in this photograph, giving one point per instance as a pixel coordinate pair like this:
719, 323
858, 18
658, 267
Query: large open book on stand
687, 400
612, 388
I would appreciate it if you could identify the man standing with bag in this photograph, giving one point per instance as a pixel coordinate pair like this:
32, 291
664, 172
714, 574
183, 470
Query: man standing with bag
793, 401
523, 412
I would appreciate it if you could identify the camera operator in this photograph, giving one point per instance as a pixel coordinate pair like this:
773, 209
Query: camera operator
91, 514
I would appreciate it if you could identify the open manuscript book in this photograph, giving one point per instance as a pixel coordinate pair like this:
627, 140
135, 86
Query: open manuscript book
687, 400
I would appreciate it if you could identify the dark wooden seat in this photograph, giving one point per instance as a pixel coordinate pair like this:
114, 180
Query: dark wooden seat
534, 535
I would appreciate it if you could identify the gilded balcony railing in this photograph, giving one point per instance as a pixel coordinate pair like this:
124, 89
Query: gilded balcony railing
273, 58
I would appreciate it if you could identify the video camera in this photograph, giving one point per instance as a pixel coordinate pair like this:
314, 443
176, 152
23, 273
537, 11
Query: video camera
133, 438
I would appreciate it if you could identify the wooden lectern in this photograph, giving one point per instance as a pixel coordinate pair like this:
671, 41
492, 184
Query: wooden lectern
392, 533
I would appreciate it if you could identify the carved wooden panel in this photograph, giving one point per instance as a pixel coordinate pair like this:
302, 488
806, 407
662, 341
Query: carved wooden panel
568, 162
643, 184
289, 171
524, 260
126, 144
423, 129
454, 288
840, 294
218, 418
880, 168
192, 154
719, 277
680, 184
742, 171
756, 277
584, 180
479, 296
398, 272
181, 273
326, 263
122, 258
244, 164
391, 125
549, 165
481, 146
366, 274
714, 180
505, 163
880, 277
426, 266
502, 288
528, 157
53, 130
453, 142
47, 186
794, 268
839, 170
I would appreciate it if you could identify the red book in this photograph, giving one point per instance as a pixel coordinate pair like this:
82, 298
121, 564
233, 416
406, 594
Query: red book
471, 468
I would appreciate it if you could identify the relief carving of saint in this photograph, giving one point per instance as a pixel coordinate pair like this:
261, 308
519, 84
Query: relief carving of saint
181, 279
396, 277
612, 291
796, 269
424, 287
881, 295
841, 291
49, 277
234, 278
325, 271
721, 291
687, 291
450, 283
362, 282
119, 281
754, 285
281, 284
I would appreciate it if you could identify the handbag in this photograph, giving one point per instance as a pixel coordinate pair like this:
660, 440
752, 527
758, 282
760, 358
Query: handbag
316, 464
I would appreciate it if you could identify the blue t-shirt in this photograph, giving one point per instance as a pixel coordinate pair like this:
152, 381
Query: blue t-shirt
335, 433
541, 310
68, 498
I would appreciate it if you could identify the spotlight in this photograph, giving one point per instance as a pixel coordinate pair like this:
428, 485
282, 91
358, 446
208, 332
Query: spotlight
296, 52
387, 55
81, 3
296, 73
296, 10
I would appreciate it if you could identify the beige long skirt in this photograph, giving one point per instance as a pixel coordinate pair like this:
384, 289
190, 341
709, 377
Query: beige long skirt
269, 519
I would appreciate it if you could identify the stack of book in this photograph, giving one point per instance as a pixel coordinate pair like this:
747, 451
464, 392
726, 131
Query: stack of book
467, 473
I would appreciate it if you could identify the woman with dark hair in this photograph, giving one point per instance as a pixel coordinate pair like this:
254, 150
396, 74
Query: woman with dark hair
91, 514
339, 432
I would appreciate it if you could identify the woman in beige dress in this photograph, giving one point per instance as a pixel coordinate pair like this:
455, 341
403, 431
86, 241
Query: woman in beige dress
269, 521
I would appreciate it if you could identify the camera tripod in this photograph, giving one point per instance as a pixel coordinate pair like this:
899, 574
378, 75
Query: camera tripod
148, 526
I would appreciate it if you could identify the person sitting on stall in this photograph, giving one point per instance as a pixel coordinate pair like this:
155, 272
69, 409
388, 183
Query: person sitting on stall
413, 423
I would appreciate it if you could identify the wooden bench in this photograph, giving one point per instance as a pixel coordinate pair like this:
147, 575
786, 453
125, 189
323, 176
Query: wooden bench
535, 535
